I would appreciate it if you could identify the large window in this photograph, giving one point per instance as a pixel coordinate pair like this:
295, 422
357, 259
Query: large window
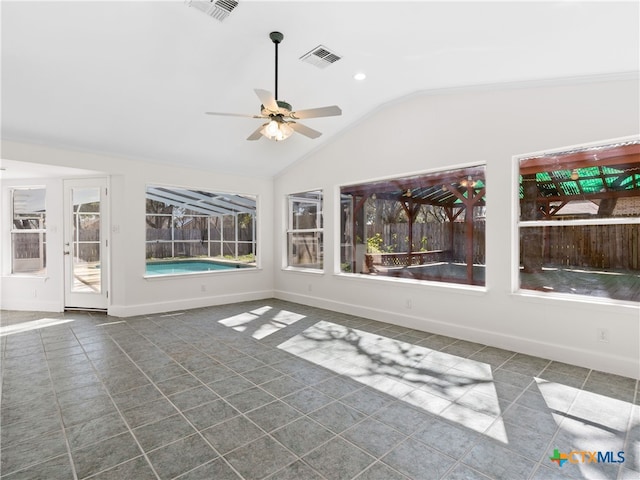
191, 230
304, 231
28, 231
580, 222
424, 227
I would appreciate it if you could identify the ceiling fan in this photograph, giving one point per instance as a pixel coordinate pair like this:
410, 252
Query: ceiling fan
280, 114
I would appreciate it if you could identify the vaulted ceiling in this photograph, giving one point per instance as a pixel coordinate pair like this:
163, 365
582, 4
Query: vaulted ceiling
133, 79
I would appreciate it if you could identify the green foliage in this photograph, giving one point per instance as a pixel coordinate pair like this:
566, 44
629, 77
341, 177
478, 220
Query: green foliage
375, 244
248, 258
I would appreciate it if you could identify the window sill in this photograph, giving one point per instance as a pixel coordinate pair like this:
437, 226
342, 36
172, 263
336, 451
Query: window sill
471, 289
33, 276
311, 271
587, 302
170, 276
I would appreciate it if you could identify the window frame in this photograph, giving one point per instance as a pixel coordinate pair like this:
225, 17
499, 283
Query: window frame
435, 176
518, 224
41, 231
217, 195
291, 229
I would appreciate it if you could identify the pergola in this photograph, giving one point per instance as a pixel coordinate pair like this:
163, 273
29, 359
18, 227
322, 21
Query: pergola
599, 177
456, 191
602, 176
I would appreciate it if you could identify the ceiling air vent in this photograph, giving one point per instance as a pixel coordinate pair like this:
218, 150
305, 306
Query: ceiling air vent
321, 57
218, 9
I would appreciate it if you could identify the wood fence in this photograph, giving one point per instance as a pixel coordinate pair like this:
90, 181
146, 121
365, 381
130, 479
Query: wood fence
614, 247
434, 236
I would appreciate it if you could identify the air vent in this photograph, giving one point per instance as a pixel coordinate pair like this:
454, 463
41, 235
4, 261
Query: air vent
321, 57
218, 9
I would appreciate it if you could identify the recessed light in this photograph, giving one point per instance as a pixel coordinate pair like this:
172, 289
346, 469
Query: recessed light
359, 76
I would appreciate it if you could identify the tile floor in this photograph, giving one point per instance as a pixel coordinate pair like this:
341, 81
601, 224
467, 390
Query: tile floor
271, 389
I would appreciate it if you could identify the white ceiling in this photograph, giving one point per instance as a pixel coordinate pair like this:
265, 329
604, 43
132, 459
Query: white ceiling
133, 79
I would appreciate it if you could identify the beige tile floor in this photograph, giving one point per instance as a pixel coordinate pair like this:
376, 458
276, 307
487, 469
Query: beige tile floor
272, 389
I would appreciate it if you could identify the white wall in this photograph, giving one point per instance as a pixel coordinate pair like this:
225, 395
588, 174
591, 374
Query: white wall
438, 130
29, 292
130, 292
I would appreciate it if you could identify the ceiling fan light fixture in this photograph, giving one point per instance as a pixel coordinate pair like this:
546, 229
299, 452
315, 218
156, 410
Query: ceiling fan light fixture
272, 128
284, 132
275, 130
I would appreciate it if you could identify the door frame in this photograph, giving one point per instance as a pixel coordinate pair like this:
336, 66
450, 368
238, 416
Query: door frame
86, 300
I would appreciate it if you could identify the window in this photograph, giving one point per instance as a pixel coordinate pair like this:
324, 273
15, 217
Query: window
304, 231
580, 222
184, 225
424, 227
28, 234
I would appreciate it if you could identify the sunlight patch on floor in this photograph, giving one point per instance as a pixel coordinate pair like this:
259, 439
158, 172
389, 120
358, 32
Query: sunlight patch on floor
32, 325
262, 321
434, 381
110, 323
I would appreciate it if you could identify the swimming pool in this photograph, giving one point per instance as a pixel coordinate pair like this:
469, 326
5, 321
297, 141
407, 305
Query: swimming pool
189, 266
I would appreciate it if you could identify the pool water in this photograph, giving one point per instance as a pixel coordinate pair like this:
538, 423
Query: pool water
168, 268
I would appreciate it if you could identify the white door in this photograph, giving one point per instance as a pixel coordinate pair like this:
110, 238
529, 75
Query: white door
86, 258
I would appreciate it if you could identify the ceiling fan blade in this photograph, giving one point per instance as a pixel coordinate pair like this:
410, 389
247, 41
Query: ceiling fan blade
331, 111
234, 115
267, 100
256, 134
306, 131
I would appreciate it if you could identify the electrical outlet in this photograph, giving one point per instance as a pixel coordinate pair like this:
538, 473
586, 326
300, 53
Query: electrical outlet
203, 288
309, 287
408, 303
603, 335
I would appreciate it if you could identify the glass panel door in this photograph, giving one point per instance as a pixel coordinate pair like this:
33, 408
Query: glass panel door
85, 252
86, 240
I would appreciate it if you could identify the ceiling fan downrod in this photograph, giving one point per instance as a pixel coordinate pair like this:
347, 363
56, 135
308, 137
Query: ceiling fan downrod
276, 38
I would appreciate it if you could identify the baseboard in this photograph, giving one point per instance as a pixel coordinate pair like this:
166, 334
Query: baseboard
185, 304
628, 367
33, 306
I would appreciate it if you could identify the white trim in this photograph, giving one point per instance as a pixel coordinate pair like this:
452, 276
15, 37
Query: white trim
311, 271
337, 238
577, 146
561, 353
581, 221
255, 223
287, 223
518, 224
607, 305
186, 304
462, 288
203, 273
37, 305
416, 173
